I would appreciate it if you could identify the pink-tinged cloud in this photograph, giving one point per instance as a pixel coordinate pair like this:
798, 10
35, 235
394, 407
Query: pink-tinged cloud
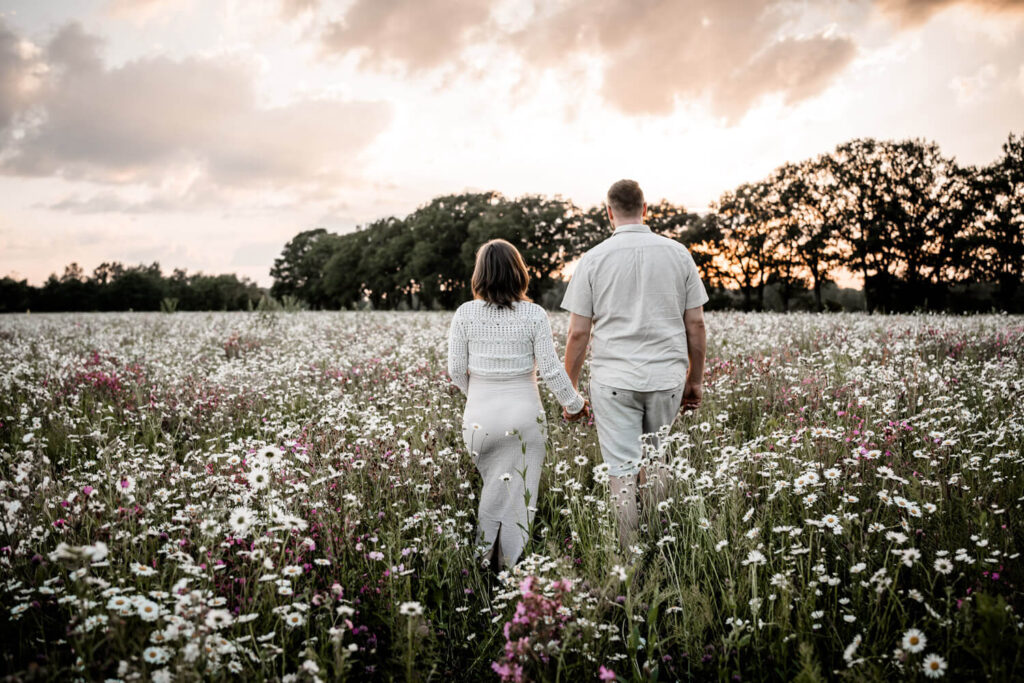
912, 12
654, 53
150, 119
420, 35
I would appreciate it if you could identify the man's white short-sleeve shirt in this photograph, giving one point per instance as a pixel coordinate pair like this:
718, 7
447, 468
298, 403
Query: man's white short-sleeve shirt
635, 286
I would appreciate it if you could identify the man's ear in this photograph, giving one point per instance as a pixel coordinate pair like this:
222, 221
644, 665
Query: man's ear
611, 218
643, 214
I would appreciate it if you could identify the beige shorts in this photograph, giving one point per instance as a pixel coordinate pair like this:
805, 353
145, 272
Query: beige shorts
623, 417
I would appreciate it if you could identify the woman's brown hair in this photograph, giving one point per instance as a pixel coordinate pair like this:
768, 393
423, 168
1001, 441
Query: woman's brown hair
500, 276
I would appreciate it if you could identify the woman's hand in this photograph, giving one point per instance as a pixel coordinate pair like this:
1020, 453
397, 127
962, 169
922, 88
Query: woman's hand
575, 417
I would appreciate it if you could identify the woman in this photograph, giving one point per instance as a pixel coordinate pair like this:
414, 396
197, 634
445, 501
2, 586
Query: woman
495, 343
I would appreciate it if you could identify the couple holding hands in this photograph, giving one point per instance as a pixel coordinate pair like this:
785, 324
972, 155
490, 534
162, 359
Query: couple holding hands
637, 299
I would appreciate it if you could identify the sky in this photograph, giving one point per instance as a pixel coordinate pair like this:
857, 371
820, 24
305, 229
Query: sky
204, 134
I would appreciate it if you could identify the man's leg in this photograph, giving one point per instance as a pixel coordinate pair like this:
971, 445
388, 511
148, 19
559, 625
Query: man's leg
618, 415
660, 409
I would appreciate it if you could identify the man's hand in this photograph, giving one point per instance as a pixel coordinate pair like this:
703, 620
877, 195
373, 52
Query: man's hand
693, 392
575, 417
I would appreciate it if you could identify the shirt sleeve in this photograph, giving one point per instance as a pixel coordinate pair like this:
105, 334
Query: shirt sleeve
458, 353
550, 367
579, 295
695, 293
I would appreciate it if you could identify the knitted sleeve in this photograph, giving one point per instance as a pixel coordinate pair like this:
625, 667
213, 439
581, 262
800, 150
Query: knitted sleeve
550, 367
458, 353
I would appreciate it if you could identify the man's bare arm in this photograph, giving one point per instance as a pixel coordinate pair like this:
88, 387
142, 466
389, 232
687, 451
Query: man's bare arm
576, 346
696, 348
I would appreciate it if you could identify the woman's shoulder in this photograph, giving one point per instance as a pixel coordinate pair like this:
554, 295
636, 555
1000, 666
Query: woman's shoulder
467, 307
532, 310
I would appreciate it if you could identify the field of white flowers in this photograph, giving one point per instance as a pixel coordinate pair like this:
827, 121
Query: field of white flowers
286, 496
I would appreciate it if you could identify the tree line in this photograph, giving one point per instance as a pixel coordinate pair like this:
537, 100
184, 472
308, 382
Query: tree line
116, 287
916, 227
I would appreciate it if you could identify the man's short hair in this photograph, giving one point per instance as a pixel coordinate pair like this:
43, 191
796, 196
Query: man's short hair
626, 198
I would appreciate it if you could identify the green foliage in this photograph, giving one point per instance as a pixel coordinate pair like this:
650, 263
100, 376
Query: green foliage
917, 228
116, 287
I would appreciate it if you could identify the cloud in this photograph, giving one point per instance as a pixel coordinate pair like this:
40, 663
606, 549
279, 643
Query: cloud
20, 72
797, 68
421, 34
652, 54
657, 53
160, 120
914, 12
144, 10
969, 89
293, 8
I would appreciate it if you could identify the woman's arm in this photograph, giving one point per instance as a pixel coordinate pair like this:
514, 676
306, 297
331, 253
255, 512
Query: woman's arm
550, 368
458, 354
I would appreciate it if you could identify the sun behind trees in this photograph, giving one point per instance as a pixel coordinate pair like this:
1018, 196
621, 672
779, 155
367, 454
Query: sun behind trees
917, 229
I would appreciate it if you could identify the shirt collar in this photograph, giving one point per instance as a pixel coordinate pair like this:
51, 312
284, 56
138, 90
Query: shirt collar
631, 227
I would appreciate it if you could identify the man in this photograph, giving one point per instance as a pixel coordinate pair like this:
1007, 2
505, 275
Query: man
640, 297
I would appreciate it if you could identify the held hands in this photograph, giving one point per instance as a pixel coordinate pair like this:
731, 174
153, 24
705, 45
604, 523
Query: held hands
692, 395
575, 417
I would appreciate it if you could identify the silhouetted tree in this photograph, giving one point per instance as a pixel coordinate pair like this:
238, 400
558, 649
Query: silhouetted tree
439, 229
542, 229
745, 255
299, 270
998, 243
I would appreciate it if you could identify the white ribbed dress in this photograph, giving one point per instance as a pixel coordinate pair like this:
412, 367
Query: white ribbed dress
493, 353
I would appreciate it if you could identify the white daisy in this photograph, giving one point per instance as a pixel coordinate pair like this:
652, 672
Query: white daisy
218, 618
147, 610
914, 640
410, 609
934, 666
240, 520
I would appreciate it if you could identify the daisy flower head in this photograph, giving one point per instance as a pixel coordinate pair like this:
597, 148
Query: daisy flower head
140, 569
943, 565
240, 520
121, 605
294, 620
217, 619
148, 610
410, 609
271, 454
156, 655
934, 666
292, 570
914, 640
259, 478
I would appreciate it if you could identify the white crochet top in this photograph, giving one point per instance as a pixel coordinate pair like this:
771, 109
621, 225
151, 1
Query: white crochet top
493, 341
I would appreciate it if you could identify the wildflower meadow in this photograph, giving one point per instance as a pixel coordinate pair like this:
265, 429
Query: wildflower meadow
286, 496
